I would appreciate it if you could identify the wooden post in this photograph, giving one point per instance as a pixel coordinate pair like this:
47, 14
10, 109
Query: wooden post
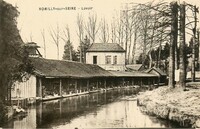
123, 82
112, 83
97, 84
76, 83
68, 85
88, 84
60, 88
40, 87
81, 85
105, 85
132, 82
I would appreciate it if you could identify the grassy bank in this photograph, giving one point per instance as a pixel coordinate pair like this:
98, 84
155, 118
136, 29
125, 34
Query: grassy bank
173, 104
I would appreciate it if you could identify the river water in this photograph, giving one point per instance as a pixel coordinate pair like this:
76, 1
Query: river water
97, 110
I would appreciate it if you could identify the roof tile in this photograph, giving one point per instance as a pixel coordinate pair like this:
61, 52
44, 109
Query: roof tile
105, 47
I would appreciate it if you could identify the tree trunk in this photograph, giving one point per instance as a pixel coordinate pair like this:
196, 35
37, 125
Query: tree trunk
150, 59
182, 64
129, 47
145, 42
70, 53
134, 47
173, 42
198, 49
193, 60
193, 45
58, 51
81, 53
176, 57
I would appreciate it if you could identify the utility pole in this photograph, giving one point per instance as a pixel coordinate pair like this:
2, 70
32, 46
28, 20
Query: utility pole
182, 65
194, 43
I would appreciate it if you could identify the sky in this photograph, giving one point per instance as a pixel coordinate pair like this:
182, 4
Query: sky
33, 19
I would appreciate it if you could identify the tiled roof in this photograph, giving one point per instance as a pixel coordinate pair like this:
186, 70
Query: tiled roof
105, 47
61, 68
157, 70
135, 67
132, 74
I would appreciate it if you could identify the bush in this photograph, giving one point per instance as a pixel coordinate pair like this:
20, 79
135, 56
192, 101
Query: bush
3, 112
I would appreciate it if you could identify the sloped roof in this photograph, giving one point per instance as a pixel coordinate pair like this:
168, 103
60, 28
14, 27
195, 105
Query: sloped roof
32, 44
132, 74
61, 68
135, 67
105, 47
158, 70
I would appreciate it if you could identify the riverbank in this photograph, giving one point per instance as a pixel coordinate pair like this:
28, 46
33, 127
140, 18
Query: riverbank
173, 104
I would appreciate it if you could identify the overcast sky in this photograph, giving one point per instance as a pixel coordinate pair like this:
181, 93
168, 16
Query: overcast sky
32, 20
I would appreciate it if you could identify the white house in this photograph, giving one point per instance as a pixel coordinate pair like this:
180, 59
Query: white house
109, 56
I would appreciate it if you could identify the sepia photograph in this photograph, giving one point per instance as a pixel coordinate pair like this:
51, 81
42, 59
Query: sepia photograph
97, 64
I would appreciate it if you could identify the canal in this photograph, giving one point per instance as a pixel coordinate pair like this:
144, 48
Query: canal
98, 110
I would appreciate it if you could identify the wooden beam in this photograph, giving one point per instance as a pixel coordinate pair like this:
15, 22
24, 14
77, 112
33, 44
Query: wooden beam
60, 87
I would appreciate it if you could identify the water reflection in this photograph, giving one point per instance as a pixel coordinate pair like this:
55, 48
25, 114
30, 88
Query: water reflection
86, 111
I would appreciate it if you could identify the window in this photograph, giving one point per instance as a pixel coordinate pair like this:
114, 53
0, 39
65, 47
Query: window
94, 59
108, 59
114, 59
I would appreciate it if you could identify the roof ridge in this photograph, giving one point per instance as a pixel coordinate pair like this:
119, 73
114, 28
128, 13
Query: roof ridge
58, 60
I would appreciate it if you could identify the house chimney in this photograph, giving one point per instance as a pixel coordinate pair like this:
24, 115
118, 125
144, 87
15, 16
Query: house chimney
32, 49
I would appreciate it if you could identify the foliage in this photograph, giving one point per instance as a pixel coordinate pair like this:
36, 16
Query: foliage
84, 46
14, 58
164, 55
2, 113
68, 49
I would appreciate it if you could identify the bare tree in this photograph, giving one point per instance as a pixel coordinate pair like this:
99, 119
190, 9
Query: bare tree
80, 33
55, 35
92, 27
126, 31
134, 44
152, 21
104, 31
113, 30
120, 29
44, 41
67, 40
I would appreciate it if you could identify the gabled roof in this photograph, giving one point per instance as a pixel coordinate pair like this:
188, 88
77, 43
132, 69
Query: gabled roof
61, 68
105, 47
158, 70
135, 67
132, 74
